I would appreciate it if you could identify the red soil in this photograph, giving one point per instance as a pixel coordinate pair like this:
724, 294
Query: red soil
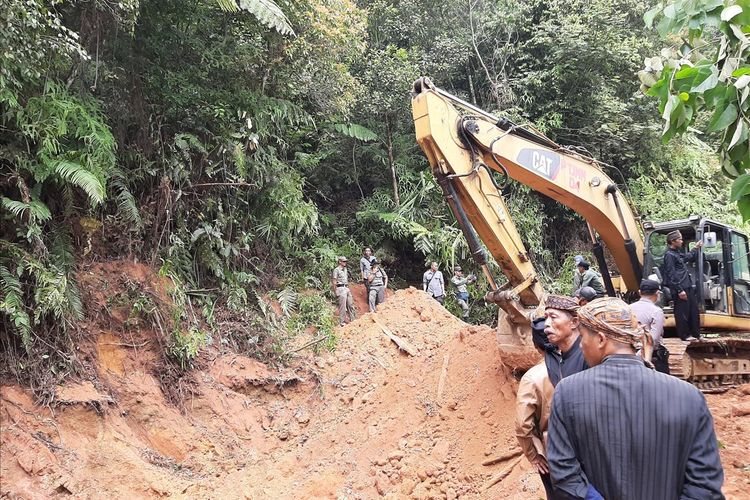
365, 421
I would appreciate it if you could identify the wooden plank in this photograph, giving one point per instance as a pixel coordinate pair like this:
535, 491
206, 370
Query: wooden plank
501, 475
503, 457
401, 343
443, 376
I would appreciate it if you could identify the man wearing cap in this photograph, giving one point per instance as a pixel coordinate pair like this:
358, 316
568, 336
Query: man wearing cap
651, 316
585, 295
462, 292
377, 283
680, 283
589, 277
625, 430
576, 274
340, 285
561, 328
533, 402
433, 283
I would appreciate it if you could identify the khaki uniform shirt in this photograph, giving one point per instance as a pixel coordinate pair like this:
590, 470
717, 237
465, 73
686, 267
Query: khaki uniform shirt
340, 276
378, 278
533, 403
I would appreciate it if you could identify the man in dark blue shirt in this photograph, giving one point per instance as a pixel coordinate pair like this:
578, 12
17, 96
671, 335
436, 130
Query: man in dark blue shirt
561, 327
680, 283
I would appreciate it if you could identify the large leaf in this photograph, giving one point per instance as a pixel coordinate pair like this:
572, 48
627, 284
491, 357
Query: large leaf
77, 175
723, 118
740, 187
355, 131
266, 11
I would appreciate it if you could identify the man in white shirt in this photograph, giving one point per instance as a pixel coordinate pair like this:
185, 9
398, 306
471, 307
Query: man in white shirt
433, 283
652, 317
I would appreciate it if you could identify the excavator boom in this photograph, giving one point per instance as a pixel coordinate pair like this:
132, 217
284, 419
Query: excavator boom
463, 149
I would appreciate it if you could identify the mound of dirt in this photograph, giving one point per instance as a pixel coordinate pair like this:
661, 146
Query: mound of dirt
368, 420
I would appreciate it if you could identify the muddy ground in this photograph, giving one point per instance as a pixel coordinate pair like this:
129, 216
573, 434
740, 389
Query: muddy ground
366, 421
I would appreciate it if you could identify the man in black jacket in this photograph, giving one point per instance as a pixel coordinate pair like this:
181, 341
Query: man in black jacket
680, 283
625, 430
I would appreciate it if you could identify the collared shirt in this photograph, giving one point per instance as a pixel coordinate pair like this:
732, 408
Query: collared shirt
563, 364
378, 278
533, 402
434, 282
365, 265
632, 433
676, 275
340, 275
460, 283
651, 316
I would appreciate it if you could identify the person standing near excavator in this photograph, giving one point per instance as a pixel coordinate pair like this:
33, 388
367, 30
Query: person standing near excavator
561, 327
462, 292
561, 357
433, 283
682, 287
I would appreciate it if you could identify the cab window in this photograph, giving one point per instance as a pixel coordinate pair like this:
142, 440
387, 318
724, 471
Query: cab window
740, 268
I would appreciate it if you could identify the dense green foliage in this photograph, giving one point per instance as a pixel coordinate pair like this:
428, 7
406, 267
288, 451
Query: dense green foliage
703, 78
241, 146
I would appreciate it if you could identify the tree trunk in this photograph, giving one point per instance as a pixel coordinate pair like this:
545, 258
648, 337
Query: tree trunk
391, 162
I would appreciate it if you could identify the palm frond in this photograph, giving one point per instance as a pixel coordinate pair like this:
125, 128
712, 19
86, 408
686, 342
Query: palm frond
15, 207
267, 12
126, 204
355, 131
288, 300
11, 304
79, 176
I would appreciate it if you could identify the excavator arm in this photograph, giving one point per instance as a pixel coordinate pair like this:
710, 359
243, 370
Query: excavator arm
464, 149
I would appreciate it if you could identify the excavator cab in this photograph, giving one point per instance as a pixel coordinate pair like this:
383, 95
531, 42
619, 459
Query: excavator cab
721, 273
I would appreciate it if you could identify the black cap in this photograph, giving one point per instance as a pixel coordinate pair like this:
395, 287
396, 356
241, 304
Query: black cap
587, 293
584, 264
374, 261
649, 286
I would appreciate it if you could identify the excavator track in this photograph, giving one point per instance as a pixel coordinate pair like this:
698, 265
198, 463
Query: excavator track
712, 364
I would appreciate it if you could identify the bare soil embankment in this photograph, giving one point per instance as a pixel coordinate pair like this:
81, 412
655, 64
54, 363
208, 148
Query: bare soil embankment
366, 421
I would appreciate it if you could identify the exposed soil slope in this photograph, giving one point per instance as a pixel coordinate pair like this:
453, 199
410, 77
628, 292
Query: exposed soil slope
366, 421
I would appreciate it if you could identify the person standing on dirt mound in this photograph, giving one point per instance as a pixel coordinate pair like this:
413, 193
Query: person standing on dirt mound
561, 327
365, 264
433, 283
624, 429
340, 285
377, 283
462, 292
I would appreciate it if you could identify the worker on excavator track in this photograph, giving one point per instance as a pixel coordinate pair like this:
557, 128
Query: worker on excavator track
682, 286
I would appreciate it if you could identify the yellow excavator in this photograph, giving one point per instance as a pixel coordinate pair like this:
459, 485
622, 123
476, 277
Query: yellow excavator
466, 146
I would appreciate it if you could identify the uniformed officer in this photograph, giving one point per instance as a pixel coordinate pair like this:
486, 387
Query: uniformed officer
340, 285
364, 266
378, 282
